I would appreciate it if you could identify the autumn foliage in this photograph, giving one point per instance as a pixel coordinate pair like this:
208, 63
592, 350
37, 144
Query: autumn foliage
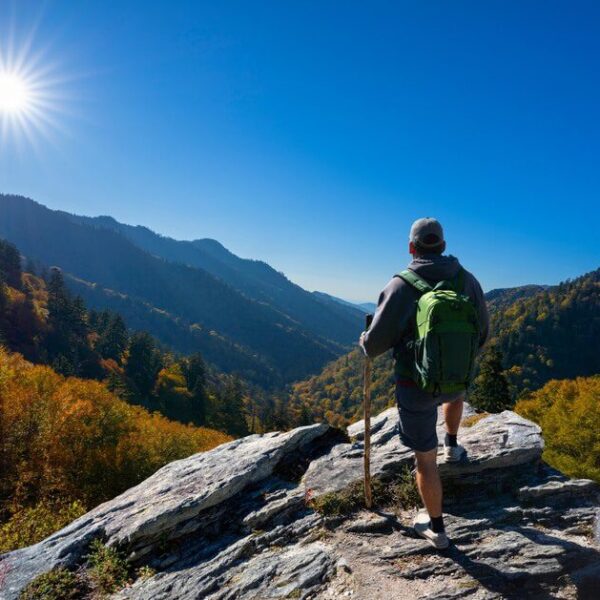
568, 412
70, 439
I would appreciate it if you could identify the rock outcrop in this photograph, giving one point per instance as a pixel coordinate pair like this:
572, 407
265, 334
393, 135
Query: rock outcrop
238, 522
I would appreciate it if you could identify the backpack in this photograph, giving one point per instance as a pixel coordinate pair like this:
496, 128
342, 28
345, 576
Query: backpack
446, 335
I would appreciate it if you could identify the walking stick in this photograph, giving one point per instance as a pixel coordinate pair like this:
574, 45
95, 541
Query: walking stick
367, 408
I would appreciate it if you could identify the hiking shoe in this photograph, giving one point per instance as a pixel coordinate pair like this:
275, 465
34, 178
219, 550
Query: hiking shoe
454, 454
439, 541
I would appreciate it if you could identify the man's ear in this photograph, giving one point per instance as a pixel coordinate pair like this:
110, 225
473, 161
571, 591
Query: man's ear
411, 248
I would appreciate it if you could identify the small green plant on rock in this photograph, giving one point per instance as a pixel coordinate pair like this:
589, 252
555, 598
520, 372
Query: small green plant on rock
58, 584
145, 572
404, 493
108, 570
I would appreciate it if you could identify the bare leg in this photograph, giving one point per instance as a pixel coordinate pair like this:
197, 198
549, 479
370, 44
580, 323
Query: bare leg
428, 482
453, 415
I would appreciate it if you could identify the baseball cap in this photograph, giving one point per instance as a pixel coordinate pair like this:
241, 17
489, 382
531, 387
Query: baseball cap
426, 233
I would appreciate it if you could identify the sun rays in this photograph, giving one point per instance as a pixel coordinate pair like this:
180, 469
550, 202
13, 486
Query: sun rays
32, 95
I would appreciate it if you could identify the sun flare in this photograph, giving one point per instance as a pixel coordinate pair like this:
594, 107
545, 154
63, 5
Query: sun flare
14, 93
33, 96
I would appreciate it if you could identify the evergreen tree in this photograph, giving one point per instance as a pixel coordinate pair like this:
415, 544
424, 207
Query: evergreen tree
234, 410
490, 391
194, 371
112, 332
143, 365
10, 264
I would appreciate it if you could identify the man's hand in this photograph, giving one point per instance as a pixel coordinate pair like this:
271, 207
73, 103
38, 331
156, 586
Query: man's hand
361, 342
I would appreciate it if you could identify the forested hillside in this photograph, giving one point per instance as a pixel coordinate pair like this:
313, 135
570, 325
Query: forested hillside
502, 298
335, 395
539, 333
41, 319
189, 295
552, 334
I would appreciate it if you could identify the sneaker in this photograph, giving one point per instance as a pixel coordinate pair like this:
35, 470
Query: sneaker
454, 453
439, 541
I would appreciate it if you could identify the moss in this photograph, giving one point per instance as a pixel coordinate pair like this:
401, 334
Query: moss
473, 419
58, 584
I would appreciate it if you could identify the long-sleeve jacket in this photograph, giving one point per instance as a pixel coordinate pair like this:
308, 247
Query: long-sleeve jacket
393, 322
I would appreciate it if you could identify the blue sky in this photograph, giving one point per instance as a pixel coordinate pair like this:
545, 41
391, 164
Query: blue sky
311, 134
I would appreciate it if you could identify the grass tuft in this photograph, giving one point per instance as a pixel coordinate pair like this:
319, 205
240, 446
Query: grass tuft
400, 492
473, 419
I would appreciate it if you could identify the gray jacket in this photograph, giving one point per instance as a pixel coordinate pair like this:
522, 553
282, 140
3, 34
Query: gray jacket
393, 322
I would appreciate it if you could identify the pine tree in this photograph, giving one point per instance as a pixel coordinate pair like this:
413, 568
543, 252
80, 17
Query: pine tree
194, 371
234, 407
10, 264
490, 391
112, 331
143, 365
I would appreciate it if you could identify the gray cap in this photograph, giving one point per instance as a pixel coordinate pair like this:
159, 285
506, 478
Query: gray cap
426, 233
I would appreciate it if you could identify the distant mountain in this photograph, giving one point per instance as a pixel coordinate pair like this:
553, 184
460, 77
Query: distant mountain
368, 307
237, 318
255, 279
335, 301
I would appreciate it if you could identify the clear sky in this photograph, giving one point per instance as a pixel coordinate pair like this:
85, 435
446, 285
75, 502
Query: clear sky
311, 134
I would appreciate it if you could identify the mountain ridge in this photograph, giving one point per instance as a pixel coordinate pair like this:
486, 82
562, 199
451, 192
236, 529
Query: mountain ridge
105, 257
254, 278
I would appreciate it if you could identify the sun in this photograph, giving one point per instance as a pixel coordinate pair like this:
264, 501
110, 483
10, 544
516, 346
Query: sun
37, 94
14, 93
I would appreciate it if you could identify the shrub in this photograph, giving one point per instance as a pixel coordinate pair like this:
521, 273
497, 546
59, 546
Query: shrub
58, 584
30, 525
568, 411
65, 437
108, 570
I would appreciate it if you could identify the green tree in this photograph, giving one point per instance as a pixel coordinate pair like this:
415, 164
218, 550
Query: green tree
113, 338
10, 264
194, 371
490, 391
143, 365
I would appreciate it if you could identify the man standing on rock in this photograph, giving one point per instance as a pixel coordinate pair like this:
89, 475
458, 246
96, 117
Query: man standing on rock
394, 326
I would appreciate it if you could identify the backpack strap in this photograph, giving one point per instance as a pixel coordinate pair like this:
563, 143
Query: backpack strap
413, 279
459, 281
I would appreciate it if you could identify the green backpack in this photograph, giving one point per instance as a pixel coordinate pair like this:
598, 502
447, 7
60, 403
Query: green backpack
446, 335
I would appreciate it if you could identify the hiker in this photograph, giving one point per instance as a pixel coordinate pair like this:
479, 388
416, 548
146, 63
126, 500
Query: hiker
418, 398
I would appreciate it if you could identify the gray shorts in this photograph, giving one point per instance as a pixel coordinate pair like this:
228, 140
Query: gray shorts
418, 412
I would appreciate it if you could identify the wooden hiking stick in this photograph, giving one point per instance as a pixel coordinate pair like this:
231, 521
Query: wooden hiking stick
367, 408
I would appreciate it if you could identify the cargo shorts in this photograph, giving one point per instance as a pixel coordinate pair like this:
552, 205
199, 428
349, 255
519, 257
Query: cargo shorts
418, 411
